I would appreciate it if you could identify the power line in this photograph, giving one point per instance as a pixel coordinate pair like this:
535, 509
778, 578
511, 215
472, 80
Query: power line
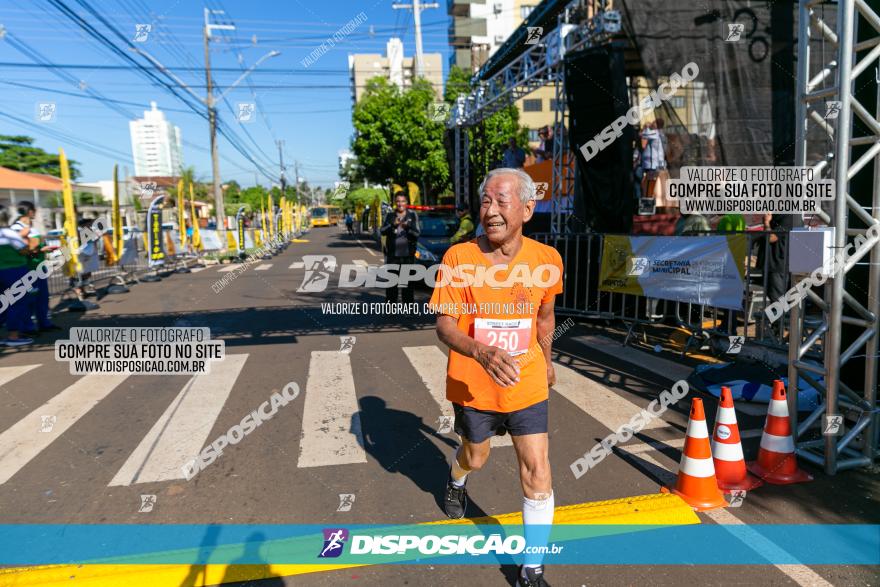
106, 42
72, 139
111, 67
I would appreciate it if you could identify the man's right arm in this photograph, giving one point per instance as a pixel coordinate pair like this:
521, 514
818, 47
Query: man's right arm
386, 225
500, 366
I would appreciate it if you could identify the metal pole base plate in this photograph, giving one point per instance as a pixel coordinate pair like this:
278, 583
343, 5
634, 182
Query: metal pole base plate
82, 306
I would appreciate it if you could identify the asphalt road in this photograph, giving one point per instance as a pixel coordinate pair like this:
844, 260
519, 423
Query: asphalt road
366, 425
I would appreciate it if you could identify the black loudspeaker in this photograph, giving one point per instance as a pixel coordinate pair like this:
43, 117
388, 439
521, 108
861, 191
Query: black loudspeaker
596, 92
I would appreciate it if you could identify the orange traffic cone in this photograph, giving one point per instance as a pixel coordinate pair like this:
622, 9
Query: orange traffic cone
727, 452
777, 460
696, 482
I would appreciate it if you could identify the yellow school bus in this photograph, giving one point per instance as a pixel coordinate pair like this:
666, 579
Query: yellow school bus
326, 215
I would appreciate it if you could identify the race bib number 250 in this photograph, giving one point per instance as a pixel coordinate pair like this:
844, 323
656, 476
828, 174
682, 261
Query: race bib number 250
511, 335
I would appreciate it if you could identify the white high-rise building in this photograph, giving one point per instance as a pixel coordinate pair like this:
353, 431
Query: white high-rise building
155, 145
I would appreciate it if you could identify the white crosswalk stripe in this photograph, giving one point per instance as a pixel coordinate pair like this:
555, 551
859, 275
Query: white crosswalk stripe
182, 431
361, 263
263, 267
598, 401
430, 363
197, 269
7, 374
297, 265
228, 268
331, 431
24, 440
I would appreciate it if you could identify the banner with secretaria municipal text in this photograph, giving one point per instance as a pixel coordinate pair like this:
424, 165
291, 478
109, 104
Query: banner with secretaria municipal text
708, 270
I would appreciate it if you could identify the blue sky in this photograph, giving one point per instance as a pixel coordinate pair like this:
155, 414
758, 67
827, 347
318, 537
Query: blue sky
308, 108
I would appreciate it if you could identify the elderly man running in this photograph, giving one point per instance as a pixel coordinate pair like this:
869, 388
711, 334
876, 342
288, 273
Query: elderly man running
495, 313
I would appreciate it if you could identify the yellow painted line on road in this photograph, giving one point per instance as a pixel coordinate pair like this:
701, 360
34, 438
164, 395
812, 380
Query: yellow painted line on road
299, 240
642, 510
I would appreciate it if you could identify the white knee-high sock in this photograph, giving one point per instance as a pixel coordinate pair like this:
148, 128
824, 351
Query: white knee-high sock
458, 473
537, 519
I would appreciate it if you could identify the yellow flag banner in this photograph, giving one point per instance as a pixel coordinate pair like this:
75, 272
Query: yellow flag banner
181, 218
116, 219
196, 236
271, 212
110, 253
283, 214
74, 267
169, 242
415, 195
375, 219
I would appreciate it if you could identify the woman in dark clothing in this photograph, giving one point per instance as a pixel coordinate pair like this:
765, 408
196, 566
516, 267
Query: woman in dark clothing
400, 230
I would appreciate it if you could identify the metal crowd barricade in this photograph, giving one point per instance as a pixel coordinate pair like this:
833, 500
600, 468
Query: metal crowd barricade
582, 257
131, 265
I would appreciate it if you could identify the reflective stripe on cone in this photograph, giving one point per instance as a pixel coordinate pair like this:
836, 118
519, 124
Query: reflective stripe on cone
696, 483
730, 464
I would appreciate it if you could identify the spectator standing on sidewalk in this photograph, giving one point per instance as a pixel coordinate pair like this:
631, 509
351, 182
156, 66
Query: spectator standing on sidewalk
14, 249
39, 296
400, 228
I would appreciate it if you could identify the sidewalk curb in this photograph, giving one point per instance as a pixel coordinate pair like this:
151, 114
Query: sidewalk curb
642, 510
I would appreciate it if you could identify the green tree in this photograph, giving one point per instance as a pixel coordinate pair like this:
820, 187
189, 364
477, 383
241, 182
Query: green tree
232, 190
395, 137
363, 197
253, 197
17, 152
351, 172
458, 81
201, 190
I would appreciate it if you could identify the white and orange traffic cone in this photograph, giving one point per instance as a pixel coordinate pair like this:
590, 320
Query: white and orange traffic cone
727, 452
777, 460
696, 483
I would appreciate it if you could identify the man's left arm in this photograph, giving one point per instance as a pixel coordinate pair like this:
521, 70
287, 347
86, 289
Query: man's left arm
546, 322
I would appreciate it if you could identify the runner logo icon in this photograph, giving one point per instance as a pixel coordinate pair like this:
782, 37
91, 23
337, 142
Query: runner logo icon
318, 269
334, 542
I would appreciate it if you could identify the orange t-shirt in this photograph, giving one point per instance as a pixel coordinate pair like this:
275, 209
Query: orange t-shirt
504, 316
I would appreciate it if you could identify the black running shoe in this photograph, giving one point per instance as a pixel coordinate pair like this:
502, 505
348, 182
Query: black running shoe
455, 502
534, 577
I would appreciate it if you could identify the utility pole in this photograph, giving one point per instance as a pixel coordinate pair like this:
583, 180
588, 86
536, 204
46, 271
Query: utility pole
280, 144
209, 103
417, 8
219, 211
296, 179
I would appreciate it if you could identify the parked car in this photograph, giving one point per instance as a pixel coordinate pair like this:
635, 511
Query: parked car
437, 224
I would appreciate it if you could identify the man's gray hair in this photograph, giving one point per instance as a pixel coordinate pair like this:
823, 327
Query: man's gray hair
526, 185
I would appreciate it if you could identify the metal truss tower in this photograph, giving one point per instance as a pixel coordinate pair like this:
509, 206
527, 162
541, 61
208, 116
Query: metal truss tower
538, 65
836, 81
